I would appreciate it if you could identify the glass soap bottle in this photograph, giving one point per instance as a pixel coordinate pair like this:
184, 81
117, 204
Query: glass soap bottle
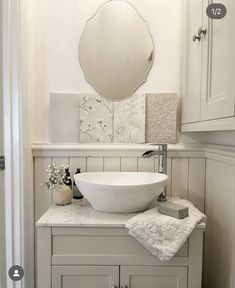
67, 179
76, 193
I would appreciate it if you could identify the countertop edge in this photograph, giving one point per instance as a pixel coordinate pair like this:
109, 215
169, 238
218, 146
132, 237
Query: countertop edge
201, 225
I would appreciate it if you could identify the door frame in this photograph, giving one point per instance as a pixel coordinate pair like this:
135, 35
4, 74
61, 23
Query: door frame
18, 202
2, 210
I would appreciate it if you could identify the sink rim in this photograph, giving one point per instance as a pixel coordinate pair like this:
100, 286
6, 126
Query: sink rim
163, 178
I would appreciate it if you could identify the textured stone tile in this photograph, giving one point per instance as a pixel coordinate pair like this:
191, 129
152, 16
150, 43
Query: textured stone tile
161, 118
96, 119
129, 120
64, 118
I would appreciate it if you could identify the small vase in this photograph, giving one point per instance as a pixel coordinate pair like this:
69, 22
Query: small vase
62, 194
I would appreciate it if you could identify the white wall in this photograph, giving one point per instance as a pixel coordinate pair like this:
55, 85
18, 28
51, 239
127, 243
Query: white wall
57, 28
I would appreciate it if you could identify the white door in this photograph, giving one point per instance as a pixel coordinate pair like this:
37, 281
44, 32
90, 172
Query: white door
153, 277
218, 85
85, 276
193, 54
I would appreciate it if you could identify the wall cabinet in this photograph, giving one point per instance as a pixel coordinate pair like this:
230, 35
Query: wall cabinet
209, 88
85, 257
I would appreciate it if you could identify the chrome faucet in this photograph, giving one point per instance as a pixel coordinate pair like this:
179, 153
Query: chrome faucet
162, 163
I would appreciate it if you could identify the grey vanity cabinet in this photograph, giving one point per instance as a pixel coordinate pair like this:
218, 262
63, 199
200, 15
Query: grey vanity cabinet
108, 257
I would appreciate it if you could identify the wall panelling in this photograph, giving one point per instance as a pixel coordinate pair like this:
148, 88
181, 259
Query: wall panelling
204, 174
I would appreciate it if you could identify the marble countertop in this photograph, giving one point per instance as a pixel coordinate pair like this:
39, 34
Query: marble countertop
81, 214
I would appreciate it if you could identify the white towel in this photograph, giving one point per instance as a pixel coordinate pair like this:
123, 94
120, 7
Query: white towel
163, 235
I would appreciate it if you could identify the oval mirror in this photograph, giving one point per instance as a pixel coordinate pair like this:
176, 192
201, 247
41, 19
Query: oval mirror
116, 50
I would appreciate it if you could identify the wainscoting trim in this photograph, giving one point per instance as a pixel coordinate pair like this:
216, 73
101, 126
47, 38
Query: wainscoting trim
112, 150
225, 154
216, 152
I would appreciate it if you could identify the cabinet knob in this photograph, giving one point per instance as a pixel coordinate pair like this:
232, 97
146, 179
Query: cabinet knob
124, 286
114, 286
196, 37
201, 32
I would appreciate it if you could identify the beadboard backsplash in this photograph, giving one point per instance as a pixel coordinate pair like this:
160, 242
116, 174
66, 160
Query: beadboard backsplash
186, 167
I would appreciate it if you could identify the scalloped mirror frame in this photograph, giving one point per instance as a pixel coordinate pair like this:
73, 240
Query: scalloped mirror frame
116, 51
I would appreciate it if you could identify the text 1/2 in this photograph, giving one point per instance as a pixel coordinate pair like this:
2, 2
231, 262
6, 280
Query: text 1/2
216, 11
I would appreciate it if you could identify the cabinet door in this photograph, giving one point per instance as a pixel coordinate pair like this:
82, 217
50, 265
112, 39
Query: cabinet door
192, 54
85, 276
153, 277
218, 64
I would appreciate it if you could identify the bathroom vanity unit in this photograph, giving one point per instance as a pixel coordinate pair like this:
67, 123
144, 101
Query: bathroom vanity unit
78, 246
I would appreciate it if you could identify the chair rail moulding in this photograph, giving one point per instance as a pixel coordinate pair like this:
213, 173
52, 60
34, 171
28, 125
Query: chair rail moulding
112, 150
216, 152
220, 153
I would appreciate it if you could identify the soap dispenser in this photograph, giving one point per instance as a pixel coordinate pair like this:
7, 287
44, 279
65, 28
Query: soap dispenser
67, 179
76, 193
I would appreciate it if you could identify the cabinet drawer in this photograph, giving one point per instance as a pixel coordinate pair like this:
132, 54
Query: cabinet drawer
91, 246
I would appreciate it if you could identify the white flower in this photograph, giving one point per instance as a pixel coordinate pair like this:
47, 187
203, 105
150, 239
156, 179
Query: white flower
55, 176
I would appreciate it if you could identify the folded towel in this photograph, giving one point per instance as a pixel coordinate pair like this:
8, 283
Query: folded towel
163, 235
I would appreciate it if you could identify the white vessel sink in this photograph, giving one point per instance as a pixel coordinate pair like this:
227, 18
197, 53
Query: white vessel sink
120, 192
